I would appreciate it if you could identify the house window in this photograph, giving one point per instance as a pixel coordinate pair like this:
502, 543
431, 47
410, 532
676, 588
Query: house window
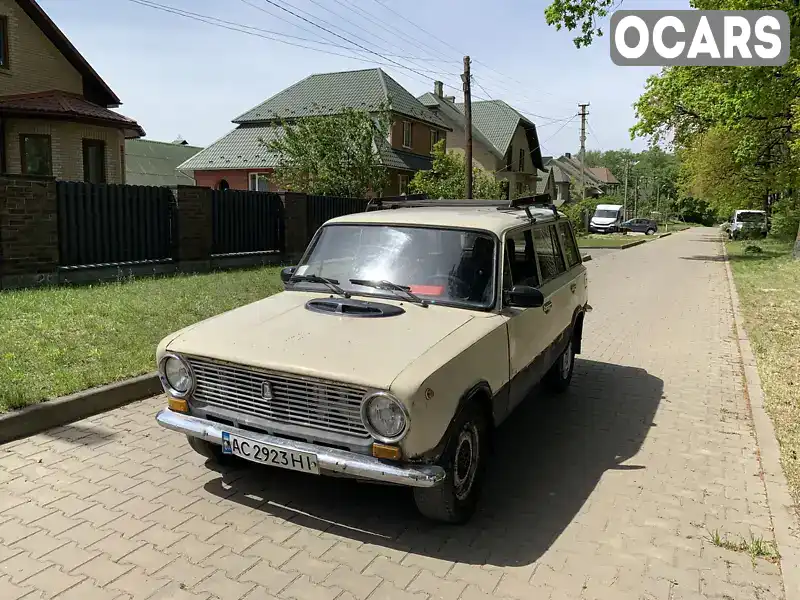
259, 182
3, 42
510, 159
35, 154
403, 184
434, 138
407, 134
94, 161
521, 159
520, 189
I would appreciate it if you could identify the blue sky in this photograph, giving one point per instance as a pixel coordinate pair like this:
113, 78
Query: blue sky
178, 76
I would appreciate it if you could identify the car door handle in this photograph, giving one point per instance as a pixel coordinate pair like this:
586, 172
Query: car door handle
547, 306
573, 286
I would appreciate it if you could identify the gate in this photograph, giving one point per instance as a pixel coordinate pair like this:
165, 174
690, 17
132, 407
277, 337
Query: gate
246, 222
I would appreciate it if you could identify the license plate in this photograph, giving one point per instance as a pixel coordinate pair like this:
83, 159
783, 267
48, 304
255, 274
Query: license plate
267, 454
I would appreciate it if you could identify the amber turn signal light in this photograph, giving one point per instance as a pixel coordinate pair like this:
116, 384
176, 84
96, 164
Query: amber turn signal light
178, 405
384, 451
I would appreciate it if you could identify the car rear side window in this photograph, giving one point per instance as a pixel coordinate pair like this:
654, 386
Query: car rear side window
568, 243
520, 266
548, 252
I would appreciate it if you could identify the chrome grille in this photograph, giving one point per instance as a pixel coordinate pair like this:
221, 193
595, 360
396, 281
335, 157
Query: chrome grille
295, 400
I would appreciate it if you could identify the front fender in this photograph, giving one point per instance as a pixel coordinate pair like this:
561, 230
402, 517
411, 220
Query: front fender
433, 385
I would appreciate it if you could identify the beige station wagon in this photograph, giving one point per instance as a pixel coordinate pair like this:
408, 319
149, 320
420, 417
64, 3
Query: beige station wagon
402, 339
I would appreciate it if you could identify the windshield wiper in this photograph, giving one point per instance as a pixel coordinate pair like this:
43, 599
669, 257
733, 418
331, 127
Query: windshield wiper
389, 286
333, 284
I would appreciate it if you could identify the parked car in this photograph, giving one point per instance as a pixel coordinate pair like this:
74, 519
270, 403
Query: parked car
646, 226
402, 339
607, 218
748, 223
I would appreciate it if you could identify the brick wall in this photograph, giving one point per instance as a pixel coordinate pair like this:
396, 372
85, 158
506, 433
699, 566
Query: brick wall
28, 226
66, 143
237, 178
35, 65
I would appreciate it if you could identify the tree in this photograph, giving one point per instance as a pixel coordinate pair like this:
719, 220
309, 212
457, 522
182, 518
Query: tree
336, 155
740, 123
447, 178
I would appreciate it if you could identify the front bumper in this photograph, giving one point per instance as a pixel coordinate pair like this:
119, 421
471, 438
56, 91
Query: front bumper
331, 460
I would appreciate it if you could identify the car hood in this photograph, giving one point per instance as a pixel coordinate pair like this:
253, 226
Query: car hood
603, 220
280, 334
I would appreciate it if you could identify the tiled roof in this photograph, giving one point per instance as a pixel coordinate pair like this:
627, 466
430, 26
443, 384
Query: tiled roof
246, 147
452, 115
243, 148
497, 121
542, 178
558, 173
572, 169
56, 103
148, 162
605, 175
331, 93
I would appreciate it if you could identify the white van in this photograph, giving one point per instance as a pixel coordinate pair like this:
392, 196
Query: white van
607, 218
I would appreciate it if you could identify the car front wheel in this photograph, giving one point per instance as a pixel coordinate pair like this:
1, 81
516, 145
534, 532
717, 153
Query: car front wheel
464, 461
650, 232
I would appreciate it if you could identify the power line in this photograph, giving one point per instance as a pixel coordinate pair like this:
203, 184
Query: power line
259, 32
537, 147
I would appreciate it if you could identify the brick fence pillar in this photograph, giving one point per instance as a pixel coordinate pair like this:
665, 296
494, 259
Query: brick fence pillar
195, 233
28, 231
297, 235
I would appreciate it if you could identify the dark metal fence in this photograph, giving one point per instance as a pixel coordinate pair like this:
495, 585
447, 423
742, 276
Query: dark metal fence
246, 222
322, 208
108, 224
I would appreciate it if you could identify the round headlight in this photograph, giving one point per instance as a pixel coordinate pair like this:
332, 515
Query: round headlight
385, 417
177, 375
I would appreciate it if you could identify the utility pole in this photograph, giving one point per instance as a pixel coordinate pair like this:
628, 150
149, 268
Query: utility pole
625, 200
583, 113
468, 125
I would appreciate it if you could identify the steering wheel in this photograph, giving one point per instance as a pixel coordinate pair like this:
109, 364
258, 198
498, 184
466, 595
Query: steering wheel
454, 282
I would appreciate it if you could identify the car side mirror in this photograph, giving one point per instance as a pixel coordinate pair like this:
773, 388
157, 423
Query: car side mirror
524, 296
286, 273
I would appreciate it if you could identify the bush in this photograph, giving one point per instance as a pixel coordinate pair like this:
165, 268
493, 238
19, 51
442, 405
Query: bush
576, 212
785, 220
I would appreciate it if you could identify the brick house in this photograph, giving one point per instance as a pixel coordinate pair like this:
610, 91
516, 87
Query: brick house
241, 160
54, 108
504, 141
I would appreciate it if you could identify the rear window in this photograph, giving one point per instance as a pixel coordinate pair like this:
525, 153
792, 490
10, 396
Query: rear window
568, 242
750, 217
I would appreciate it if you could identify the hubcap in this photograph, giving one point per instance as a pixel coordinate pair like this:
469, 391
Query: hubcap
466, 460
566, 361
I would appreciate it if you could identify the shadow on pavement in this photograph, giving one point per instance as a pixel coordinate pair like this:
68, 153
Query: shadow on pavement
549, 457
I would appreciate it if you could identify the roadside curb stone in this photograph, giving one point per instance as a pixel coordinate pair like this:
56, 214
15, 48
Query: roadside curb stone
784, 520
74, 407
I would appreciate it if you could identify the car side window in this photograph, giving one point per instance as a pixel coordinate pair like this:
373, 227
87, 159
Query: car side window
568, 243
520, 261
545, 244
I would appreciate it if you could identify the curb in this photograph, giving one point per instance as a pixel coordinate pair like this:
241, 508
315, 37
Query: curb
780, 503
67, 409
623, 247
663, 235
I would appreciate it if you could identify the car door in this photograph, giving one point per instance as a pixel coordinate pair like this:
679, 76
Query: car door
578, 285
528, 336
556, 282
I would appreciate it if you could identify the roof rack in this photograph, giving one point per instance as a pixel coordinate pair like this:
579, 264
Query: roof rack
421, 201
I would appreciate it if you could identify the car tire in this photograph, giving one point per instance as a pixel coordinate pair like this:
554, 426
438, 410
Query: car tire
209, 450
650, 232
464, 460
559, 376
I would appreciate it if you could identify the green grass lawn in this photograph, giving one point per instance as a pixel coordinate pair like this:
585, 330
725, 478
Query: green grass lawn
769, 290
56, 341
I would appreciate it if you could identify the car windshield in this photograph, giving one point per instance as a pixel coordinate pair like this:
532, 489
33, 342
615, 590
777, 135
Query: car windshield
606, 214
750, 217
442, 266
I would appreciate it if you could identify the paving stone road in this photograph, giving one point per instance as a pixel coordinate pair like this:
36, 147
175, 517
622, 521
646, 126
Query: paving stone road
607, 493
